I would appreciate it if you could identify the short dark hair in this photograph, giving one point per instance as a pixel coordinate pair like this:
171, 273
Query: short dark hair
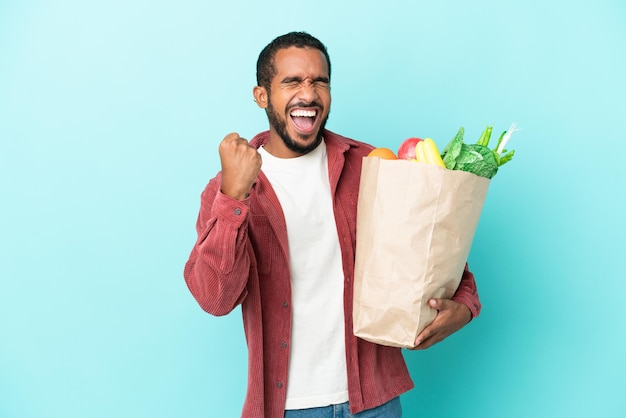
265, 69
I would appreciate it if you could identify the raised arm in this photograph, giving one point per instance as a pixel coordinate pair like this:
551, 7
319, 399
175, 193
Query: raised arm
219, 264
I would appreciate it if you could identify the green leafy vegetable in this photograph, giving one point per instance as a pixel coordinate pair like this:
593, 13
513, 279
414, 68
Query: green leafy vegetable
453, 149
478, 158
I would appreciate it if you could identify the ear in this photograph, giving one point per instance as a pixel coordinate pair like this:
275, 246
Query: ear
260, 96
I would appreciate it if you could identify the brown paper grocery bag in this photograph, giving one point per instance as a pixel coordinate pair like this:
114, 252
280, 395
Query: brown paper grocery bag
415, 226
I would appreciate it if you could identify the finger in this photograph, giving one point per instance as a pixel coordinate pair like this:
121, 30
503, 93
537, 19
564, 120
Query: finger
424, 344
232, 136
233, 144
422, 337
430, 341
228, 141
439, 304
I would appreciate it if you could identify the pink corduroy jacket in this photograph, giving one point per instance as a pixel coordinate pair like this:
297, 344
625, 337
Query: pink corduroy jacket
241, 257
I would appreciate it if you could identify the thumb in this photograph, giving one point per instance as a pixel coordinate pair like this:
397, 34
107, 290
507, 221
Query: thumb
437, 303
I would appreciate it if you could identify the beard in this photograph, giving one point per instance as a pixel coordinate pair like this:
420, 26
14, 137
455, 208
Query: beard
280, 126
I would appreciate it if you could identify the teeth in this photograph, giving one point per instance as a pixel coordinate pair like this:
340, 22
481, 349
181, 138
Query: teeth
301, 112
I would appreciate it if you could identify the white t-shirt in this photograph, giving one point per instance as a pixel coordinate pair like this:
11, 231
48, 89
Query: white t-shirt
317, 363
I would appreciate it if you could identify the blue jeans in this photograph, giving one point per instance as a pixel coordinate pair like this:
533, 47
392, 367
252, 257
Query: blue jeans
391, 409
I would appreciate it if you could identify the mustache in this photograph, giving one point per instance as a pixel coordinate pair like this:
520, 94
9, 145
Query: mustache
305, 105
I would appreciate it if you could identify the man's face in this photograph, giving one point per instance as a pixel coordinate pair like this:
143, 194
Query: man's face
298, 101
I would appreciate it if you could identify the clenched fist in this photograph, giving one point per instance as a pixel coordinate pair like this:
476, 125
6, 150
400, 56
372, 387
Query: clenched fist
240, 166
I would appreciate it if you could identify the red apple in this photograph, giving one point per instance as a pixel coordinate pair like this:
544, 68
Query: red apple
407, 148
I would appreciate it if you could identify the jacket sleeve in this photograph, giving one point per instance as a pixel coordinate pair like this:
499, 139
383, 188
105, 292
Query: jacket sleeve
467, 293
218, 267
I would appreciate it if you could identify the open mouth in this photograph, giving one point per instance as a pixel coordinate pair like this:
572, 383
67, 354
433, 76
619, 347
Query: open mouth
304, 119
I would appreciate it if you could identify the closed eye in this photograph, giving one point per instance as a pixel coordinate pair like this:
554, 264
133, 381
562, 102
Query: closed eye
321, 81
297, 81
292, 81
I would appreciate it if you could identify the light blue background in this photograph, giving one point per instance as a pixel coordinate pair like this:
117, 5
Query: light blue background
110, 117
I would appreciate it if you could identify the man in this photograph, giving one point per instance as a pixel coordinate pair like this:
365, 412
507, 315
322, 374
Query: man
276, 234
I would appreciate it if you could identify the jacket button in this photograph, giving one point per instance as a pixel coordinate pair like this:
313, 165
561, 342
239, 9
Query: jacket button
283, 344
285, 304
237, 211
279, 385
